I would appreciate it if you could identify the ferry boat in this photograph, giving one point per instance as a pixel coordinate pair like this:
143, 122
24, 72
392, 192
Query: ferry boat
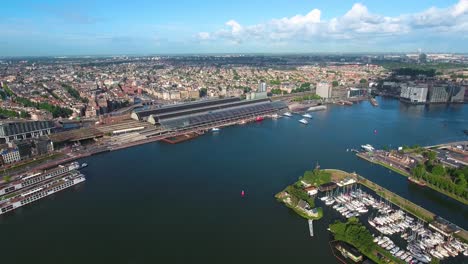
36, 193
215, 129
368, 147
33, 179
288, 114
307, 115
304, 121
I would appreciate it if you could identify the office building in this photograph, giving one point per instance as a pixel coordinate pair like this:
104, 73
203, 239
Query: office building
458, 94
262, 87
356, 92
415, 94
439, 93
324, 90
10, 156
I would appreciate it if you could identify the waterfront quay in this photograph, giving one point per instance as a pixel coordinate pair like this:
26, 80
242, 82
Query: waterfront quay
437, 167
171, 123
400, 164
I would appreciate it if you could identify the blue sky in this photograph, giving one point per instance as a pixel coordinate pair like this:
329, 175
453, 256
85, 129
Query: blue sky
41, 28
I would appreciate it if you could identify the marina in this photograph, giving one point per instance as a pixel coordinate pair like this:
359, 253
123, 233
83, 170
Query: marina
406, 237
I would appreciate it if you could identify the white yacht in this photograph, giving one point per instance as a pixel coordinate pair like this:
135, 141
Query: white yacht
368, 147
287, 114
304, 121
307, 115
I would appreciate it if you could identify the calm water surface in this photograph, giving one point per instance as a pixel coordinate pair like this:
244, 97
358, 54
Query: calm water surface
161, 203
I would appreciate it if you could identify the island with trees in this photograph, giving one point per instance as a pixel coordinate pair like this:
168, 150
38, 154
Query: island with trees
300, 196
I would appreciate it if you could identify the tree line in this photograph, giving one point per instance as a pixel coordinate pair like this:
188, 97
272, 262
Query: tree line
451, 180
74, 93
56, 111
14, 114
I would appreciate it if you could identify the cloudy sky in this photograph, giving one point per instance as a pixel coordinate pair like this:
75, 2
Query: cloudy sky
243, 26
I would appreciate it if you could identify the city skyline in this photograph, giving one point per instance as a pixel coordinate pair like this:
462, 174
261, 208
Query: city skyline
83, 28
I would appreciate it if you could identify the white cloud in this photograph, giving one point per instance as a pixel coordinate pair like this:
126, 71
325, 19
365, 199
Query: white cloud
204, 35
356, 24
460, 8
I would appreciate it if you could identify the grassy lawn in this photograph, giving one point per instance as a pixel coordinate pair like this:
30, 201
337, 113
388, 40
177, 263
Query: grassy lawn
316, 178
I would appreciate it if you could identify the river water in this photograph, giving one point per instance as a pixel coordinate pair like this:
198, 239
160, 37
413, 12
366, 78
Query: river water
161, 203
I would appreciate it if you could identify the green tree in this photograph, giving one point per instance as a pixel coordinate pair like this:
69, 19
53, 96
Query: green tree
203, 92
431, 155
276, 91
335, 83
438, 170
363, 81
418, 171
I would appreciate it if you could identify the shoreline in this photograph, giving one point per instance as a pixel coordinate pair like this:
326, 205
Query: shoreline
408, 175
295, 193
